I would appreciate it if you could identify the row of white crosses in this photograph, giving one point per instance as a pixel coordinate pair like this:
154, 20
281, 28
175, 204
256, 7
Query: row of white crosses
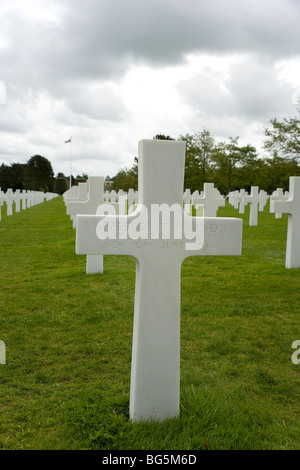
210, 200
279, 195
155, 374
85, 199
280, 202
205, 202
88, 198
23, 199
257, 200
80, 193
115, 196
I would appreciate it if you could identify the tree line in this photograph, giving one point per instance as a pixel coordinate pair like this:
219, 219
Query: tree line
230, 165
227, 164
35, 175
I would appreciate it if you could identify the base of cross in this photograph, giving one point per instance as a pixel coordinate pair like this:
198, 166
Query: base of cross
94, 264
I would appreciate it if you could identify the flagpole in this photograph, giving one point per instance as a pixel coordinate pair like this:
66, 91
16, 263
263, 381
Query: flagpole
70, 142
71, 163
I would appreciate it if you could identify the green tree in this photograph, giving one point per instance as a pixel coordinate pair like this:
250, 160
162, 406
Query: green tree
6, 177
12, 176
61, 185
162, 137
127, 179
228, 158
123, 180
284, 137
135, 172
199, 150
275, 172
247, 168
39, 174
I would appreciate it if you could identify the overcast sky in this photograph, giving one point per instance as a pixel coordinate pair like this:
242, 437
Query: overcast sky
109, 73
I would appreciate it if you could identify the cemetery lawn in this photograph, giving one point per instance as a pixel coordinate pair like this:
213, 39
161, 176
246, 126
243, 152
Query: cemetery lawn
68, 340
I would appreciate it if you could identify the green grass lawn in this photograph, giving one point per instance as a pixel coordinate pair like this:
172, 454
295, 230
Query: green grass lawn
68, 342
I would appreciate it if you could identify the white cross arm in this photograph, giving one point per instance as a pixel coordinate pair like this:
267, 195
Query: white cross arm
81, 207
221, 237
289, 206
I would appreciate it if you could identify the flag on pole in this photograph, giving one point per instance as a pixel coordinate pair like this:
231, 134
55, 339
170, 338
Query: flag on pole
68, 141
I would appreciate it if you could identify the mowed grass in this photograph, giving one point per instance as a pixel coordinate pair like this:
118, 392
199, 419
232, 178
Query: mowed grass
69, 336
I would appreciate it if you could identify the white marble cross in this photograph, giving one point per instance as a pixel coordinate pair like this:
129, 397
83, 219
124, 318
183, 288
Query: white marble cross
292, 207
90, 201
82, 196
89, 205
24, 199
155, 373
242, 195
234, 198
17, 198
9, 201
254, 199
211, 200
70, 194
187, 196
113, 196
278, 195
264, 199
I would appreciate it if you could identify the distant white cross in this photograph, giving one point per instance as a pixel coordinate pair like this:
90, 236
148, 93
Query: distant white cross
263, 201
155, 374
9, 201
187, 196
23, 197
211, 200
254, 199
242, 201
88, 205
81, 196
278, 195
17, 198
